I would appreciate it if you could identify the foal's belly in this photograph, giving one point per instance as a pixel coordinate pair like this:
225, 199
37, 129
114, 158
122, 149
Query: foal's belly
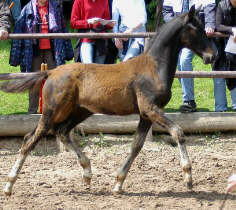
114, 104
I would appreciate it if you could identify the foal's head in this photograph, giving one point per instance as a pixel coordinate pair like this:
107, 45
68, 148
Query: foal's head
185, 30
193, 36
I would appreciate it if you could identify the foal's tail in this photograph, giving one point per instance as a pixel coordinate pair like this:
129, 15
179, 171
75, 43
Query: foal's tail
20, 82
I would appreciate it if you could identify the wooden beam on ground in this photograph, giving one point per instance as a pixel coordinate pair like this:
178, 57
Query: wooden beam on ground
198, 122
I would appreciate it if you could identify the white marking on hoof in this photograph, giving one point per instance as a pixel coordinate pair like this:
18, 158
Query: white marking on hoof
87, 176
15, 169
117, 190
8, 189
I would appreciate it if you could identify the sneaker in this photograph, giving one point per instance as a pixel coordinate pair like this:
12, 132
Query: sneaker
32, 112
188, 106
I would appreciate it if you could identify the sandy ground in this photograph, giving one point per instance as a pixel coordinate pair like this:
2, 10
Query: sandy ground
52, 180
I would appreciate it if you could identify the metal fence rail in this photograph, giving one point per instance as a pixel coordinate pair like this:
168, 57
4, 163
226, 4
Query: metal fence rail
80, 35
91, 35
205, 74
178, 74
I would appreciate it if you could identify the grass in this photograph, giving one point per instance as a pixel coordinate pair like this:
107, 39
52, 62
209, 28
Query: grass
18, 103
10, 103
203, 88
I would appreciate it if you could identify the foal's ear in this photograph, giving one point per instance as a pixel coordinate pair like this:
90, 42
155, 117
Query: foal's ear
190, 14
198, 10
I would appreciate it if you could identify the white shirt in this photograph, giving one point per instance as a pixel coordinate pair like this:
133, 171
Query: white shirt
132, 13
177, 4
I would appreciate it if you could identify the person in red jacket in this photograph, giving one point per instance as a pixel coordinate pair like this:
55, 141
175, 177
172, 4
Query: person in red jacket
89, 16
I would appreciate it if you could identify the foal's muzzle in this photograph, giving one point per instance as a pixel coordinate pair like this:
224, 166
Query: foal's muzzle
208, 57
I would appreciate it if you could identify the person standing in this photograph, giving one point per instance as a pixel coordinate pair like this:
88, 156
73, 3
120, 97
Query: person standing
133, 17
87, 16
5, 23
207, 16
15, 9
40, 16
226, 60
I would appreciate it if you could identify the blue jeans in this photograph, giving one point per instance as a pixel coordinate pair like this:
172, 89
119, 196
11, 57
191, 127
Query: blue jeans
220, 95
87, 54
185, 64
16, 9
134, 49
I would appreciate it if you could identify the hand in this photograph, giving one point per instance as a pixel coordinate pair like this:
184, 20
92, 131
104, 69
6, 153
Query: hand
93, 21
126, 32
231, 187
119, 43
111, 24
234, 31
3, 34
209, 31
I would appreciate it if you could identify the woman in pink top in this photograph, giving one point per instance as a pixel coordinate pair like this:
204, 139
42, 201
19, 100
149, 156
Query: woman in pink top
86, 17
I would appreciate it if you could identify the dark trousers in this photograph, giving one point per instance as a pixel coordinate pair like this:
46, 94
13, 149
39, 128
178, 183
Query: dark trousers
45, 56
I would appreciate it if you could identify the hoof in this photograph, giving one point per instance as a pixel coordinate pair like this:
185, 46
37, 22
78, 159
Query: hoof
8, 189
7, 193
117, 193
189, 186
87, 180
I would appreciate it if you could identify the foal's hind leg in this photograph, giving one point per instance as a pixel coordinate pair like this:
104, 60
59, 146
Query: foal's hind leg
62, 131
30, 142
177, 134
83, 160
137, 145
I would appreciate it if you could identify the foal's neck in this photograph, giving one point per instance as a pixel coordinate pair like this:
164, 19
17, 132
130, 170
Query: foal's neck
166, 56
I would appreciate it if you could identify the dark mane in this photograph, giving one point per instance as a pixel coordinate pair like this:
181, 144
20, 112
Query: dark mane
167, 30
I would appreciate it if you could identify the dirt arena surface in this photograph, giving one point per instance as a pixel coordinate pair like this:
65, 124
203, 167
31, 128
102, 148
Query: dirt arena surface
52, 180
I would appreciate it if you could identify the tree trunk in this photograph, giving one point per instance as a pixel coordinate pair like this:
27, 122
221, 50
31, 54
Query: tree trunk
159, 13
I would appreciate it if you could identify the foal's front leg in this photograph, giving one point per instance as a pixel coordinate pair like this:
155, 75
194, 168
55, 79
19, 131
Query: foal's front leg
137, 145
177, 134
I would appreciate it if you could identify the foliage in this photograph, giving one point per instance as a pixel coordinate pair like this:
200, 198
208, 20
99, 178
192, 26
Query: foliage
151, 10
151, 15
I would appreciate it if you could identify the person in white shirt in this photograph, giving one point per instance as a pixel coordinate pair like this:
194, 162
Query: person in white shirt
133, 17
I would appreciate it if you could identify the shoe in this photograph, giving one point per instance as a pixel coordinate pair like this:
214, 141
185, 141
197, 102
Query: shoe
188, 106
32, 112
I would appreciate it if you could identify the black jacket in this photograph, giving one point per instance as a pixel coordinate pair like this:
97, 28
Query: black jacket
225, 17
225, 20
206, 15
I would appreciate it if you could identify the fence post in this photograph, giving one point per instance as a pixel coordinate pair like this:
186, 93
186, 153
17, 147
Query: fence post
44, 67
